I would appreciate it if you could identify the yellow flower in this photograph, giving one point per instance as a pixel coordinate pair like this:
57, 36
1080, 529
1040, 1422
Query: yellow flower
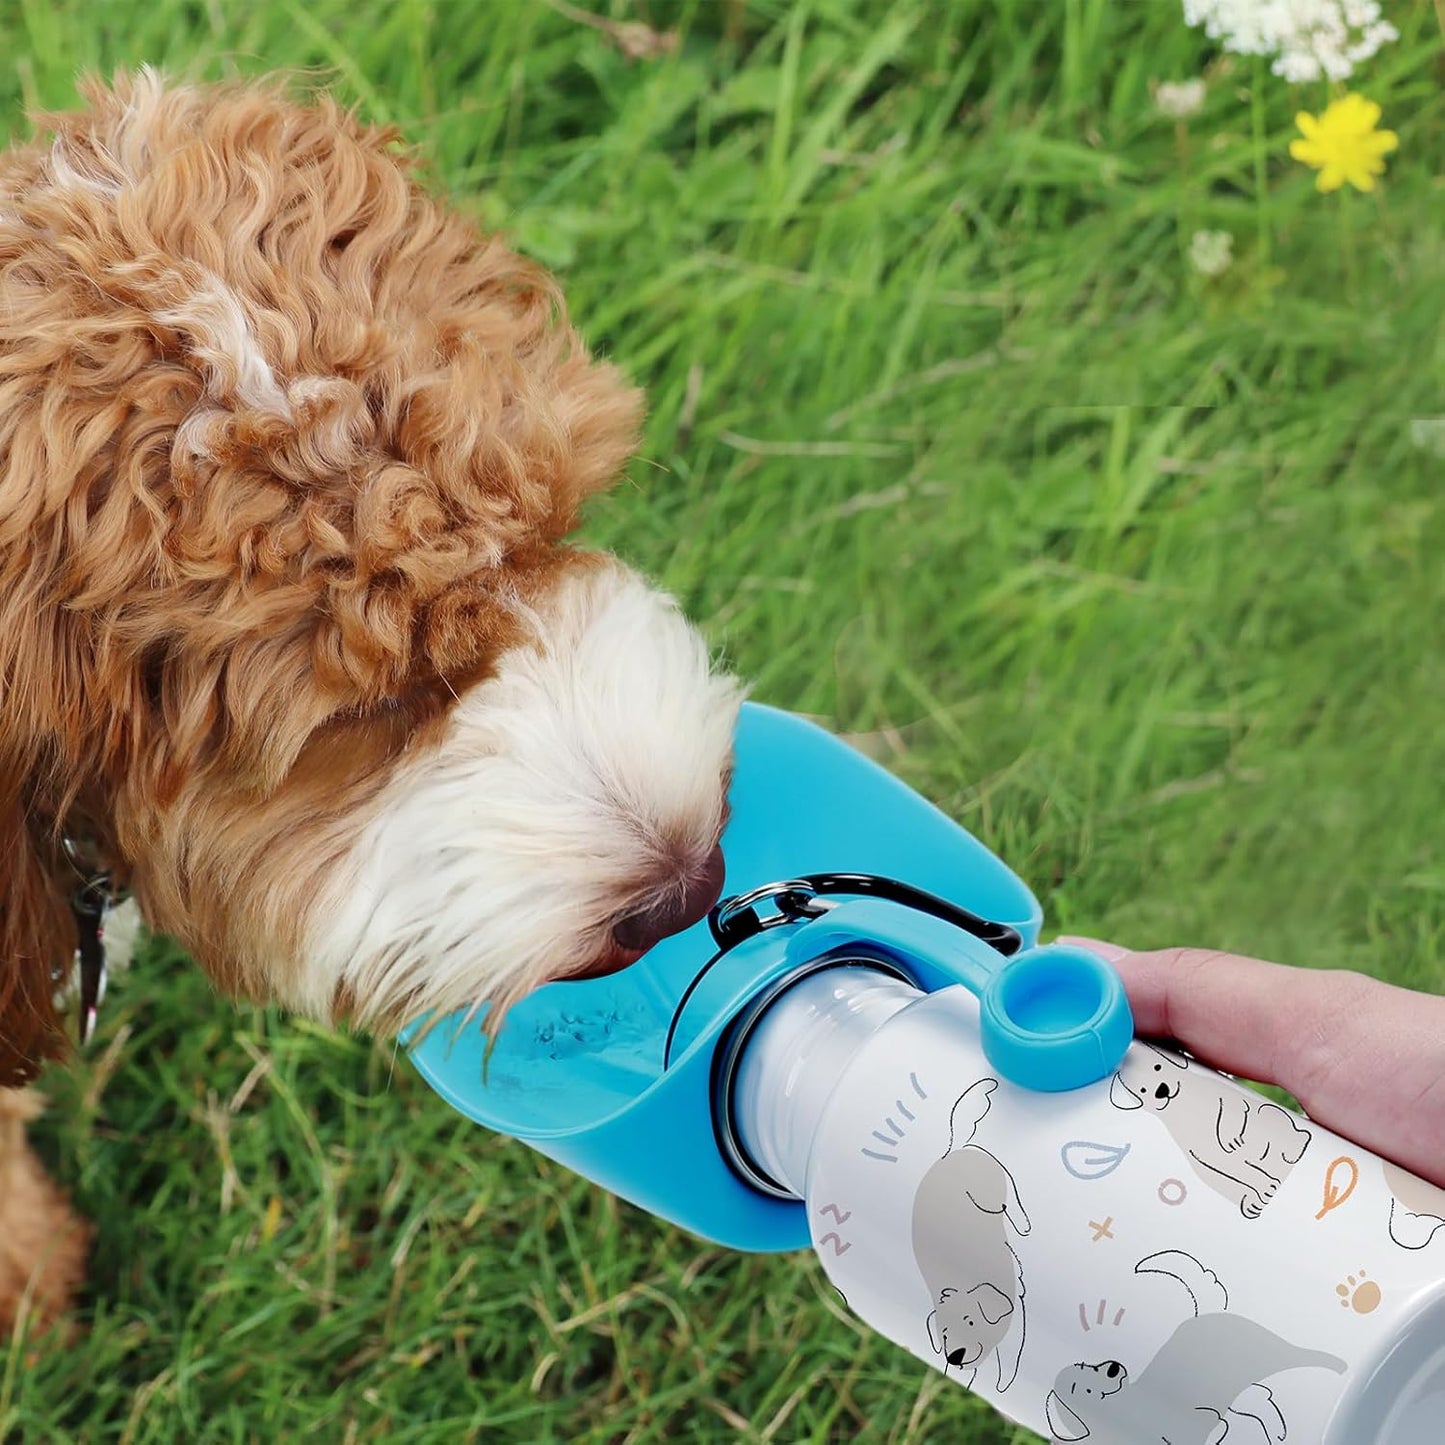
1343, 144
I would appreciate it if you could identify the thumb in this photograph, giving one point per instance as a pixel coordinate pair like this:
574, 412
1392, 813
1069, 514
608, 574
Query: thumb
1262, 1020
1323, 1034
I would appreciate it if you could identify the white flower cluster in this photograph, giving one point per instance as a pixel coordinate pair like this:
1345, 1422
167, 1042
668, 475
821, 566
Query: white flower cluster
1179, 99
1309, 38
1211, 252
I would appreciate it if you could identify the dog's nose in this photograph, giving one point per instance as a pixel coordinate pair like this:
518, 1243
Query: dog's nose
1162, 1092
680, 909
1113, 1369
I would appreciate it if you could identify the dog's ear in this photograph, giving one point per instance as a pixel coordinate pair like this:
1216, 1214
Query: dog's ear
1169, 1056
36, 943
1063, 1423
935, 1335
1121, 1096
993, 1304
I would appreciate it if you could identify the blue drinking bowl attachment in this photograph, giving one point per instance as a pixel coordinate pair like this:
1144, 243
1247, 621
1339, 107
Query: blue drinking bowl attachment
829, 859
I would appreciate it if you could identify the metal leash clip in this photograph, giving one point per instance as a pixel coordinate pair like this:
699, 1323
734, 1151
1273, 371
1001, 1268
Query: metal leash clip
737, 918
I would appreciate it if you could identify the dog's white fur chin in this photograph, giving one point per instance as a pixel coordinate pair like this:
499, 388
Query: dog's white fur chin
577, 776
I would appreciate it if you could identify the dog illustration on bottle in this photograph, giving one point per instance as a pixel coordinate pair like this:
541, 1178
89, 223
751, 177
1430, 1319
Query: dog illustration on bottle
1417, 1209
1240, 1144
962, 1213
1205, 1383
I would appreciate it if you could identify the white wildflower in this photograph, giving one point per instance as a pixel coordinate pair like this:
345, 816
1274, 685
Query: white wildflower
1428, 434
1309, 39
1211, 252
124, 928
1179, 99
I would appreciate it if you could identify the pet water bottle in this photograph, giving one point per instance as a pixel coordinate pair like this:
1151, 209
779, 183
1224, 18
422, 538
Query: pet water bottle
865, 1049
1159, 1256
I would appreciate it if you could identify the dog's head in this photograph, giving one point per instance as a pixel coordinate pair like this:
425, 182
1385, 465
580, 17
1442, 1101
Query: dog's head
1149, 1079
968, 1324
288, 624
1077, 1395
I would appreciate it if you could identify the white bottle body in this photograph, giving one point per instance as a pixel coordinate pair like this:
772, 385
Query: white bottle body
1196, 1265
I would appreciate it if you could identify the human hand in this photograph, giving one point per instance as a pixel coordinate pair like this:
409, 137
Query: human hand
1364, 1058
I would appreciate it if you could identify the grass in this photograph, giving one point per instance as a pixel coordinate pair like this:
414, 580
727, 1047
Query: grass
948, 444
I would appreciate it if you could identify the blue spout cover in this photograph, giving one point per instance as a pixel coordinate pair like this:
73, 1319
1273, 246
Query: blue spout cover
577, 1068
1050, 1018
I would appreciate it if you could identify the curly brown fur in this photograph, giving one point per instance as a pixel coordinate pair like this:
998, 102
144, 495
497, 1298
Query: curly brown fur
287, 455
43, 1243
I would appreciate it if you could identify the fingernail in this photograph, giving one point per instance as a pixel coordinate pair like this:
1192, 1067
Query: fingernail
1109, 952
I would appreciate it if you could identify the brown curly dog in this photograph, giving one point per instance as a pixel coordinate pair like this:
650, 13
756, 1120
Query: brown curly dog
290, 635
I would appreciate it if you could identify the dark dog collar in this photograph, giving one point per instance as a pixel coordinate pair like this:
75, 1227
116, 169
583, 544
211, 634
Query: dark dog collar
90, 905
